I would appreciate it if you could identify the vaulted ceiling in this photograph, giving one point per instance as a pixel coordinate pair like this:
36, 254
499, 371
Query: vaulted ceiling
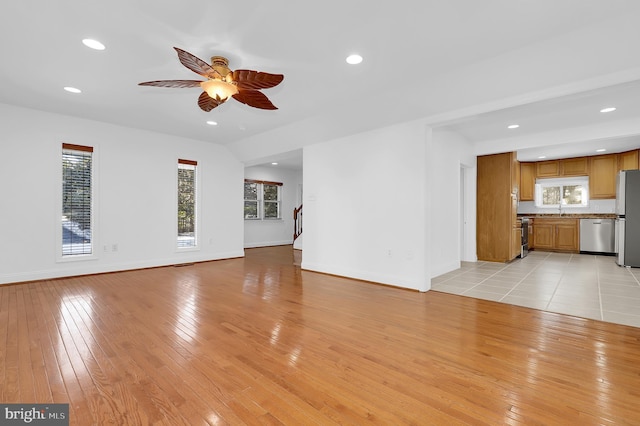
458, 63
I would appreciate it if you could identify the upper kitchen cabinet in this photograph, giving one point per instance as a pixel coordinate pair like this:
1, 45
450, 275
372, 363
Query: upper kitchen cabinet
497, 229
578, 166
527, 181
548, 168
602, 176
628, 160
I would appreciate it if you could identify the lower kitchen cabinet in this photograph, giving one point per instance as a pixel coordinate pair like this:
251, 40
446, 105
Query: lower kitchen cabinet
557, 234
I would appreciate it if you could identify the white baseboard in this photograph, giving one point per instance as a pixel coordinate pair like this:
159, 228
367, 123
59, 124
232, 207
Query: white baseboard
89, 268
268, 244
392, 280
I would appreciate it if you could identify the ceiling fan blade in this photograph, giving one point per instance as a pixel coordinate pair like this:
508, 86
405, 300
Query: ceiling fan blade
180, 84
254, 99
207, 103
194, 63
248, 79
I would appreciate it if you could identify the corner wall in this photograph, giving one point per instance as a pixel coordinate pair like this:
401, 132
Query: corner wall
453, 201
365, 206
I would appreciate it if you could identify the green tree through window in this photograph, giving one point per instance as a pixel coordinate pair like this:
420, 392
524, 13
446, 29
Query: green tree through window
186, 203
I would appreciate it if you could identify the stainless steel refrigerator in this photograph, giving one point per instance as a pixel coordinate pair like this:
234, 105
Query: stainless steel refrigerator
628, 218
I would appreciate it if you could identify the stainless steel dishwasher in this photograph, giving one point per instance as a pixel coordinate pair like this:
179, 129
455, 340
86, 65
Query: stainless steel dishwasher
597, 235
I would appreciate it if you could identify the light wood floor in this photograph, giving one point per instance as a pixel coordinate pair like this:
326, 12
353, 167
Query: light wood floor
258, 341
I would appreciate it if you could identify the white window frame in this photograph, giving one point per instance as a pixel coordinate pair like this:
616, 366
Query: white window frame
188, 164
561, 183
257, 200
60, 255
277, 202
260, 201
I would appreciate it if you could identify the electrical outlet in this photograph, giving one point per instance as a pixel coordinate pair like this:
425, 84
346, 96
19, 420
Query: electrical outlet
114, 247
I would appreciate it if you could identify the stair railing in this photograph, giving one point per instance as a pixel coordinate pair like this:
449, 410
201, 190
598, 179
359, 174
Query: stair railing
297, 222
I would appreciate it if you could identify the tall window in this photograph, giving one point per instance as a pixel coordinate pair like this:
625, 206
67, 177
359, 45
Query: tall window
262, 200
187, 203
76, 200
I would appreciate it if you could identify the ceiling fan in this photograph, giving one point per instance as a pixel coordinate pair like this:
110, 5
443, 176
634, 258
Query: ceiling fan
243, 85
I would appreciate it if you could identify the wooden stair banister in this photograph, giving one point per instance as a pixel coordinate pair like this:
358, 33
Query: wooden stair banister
297, 222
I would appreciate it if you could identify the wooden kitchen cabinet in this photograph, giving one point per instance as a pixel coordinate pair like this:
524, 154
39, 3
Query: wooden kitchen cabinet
543, 235
628, 160
548, 168
527, 181
497, 207
602, 176
578, 166
557, 234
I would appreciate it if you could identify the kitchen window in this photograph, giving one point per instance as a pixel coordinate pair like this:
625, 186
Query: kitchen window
262, 199
562, 193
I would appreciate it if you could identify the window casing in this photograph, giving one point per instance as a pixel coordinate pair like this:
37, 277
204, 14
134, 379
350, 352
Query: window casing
187, 204
262, 200
77, 201
562, 193
251, 200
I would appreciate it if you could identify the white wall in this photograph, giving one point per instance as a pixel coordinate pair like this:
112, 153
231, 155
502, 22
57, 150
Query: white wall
260, 233
135, 199
449, 152
364, 203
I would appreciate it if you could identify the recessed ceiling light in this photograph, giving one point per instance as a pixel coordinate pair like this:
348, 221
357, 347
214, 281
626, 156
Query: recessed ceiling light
72, 89
513, 126
600, 150
93, 44
354, 59
542, 156
212, 123
274, 164
608, 109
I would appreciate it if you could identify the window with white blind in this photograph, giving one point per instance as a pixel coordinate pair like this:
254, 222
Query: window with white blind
187, 217
77, 197
262, 199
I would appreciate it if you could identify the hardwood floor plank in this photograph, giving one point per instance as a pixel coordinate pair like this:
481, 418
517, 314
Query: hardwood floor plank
256, 340
11, 384
38, 341
4, 340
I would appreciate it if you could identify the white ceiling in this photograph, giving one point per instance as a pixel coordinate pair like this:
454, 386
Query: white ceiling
404, 44
551, 117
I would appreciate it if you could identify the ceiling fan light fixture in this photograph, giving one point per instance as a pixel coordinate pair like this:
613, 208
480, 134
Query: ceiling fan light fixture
218, 89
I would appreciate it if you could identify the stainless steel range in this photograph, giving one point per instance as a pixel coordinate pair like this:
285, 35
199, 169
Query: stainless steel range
524, 251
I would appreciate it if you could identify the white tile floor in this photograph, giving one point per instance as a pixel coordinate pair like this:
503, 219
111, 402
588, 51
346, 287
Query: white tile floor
582, 285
